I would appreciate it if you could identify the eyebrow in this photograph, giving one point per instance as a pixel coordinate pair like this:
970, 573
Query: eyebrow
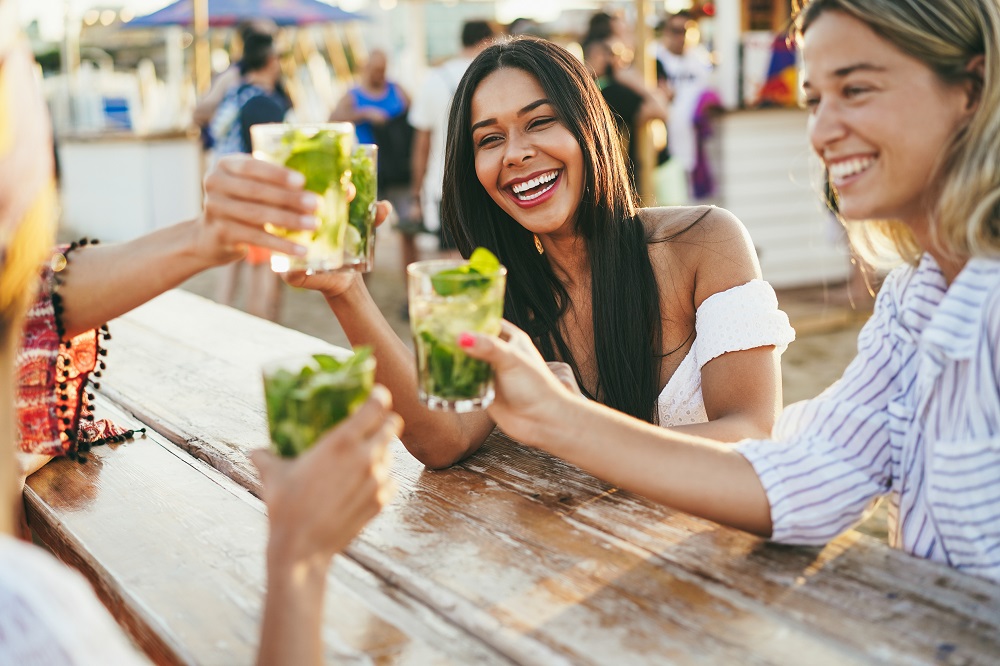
850, 69
525, 109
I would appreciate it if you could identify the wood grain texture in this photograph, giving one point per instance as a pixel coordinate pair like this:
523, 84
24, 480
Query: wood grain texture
176, 551
547, 564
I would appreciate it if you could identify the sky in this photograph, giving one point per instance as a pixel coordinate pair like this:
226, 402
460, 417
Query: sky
51, 13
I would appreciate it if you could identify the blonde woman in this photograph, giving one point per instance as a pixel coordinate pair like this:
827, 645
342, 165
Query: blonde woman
903, 98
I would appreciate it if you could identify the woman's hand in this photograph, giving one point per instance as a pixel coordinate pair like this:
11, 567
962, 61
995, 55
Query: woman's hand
243, 194
318, 502
527, 391
333, 284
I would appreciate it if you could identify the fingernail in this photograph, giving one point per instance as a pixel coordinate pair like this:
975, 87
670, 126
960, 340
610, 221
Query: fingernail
381, 394
310, 201
296, 179
300, 250
466, 340
309, 222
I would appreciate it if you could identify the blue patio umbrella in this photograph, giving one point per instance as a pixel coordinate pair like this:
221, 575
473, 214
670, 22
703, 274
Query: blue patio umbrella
231, 12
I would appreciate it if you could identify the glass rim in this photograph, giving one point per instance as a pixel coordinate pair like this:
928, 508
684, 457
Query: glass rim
423, 268
306, 358
281, 128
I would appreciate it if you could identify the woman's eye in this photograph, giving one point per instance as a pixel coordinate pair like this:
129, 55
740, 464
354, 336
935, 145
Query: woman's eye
487, 140
854, 91
811, 102
539, 123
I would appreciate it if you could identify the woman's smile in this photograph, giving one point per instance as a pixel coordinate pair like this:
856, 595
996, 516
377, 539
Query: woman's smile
845, 170
534, 190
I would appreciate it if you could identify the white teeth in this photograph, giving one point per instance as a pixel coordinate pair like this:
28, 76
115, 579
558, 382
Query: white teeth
848, 168
534, 182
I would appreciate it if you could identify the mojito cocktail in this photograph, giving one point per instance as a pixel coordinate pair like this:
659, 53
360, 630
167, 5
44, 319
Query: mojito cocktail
447, 298
322, 153
306, 395
359, 241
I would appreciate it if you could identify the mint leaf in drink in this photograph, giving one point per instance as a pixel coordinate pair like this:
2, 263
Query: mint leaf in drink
302, 405
362, 215
457, 280
321, 158
451, 373
483, 261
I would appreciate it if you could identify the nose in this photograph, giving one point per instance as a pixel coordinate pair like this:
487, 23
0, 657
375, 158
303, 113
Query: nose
826, 125
519, 149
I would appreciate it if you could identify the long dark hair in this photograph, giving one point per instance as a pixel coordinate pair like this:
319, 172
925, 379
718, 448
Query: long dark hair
625, 297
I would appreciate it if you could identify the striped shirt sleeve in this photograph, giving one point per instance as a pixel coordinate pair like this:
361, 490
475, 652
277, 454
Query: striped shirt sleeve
830, 456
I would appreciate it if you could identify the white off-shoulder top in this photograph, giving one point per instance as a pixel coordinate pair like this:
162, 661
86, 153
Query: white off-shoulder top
743, 317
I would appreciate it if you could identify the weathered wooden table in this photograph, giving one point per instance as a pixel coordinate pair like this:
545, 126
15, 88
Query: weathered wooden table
510, 557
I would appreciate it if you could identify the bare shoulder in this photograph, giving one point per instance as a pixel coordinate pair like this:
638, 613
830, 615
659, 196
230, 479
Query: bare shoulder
711, 244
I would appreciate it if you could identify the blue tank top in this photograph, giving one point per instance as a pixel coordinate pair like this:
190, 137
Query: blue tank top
391, 102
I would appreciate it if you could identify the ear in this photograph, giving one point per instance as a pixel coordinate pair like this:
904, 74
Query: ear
976, 73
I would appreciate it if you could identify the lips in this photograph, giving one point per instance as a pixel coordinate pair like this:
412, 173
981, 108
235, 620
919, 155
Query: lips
531, 189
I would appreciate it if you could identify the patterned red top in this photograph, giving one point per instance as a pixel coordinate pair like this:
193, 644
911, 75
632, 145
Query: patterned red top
50, 378
52, 402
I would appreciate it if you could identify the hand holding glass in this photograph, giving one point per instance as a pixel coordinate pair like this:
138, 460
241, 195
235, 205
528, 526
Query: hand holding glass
448, 298
322, 153
306, 395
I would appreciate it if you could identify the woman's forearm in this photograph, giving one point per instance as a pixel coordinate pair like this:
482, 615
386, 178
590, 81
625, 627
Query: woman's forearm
101, 282
727, 429
437, 439
693, 474
293, 612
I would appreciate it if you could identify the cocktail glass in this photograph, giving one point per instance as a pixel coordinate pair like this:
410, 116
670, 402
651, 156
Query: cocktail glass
322, 153
447, 298
359, 241
307, 394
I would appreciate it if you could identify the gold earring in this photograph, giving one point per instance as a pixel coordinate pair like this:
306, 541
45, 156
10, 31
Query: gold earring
538, 245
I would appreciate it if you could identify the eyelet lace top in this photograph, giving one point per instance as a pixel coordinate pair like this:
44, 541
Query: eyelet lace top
744, 317
49, 614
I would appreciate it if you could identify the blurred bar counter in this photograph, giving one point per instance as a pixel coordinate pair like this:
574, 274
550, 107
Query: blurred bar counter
119, 185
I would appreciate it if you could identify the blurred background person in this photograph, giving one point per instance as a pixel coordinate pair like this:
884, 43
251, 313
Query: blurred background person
632, 103
257, 99
378, 107
205, 108
429, 117
684, 70
609, 26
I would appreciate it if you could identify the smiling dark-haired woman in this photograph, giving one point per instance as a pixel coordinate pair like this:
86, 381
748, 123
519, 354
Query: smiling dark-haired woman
659, 313
903, 98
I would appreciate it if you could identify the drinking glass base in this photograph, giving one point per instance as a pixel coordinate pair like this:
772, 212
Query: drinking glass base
460, 406
281, 263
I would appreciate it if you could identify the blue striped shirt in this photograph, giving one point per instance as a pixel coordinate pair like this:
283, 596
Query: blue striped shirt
916, 418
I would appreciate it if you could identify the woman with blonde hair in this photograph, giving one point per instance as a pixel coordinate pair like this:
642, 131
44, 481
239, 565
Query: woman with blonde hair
903, 98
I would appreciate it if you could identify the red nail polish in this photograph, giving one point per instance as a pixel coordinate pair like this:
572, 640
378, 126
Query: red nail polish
466, 340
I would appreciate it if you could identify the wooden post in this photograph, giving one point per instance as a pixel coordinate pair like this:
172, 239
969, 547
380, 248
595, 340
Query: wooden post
356, 42
335, 49
647, 155
202, 51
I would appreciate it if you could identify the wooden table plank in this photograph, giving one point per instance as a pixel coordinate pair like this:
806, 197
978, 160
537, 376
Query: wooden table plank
882, 598
548, 564
176, 551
